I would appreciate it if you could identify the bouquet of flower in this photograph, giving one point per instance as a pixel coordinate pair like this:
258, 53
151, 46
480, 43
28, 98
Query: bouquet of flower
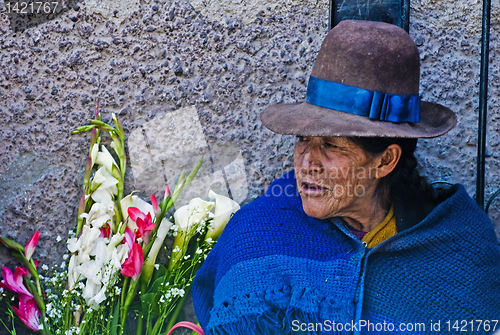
110, 280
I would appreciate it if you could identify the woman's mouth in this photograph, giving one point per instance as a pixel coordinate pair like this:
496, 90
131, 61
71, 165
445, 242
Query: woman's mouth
312, 189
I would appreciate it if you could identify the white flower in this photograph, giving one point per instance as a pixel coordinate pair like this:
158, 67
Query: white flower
45, 267
224, 209
193, 213
58, 238
104, 185
93, 153
105, 159
100, 213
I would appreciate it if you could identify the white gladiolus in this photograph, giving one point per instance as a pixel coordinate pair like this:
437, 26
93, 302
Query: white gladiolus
72, 274
93, 153
89, 235
99, 214
224, 209
107, 187
105, 159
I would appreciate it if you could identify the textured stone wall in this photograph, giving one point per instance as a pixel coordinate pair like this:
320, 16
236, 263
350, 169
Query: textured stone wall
205, 69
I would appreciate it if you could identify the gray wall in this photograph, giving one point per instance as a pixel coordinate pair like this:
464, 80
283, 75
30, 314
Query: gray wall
174, 70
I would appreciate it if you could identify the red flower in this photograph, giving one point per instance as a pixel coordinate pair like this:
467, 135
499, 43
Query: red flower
28, 312
133, 265
14, 282
29, 248
105, 231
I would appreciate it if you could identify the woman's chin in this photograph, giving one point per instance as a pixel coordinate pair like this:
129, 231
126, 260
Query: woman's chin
315, 207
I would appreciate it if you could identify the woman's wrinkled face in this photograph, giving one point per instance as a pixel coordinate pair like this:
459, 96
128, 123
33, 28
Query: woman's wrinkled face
335, 177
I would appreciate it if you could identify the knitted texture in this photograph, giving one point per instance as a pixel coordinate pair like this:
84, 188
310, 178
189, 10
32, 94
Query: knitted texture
274, 265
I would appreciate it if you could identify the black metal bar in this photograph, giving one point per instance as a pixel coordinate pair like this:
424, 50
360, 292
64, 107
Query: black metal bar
405, 15
330, 16
483, 104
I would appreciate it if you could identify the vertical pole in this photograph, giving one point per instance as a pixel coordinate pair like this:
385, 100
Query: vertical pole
405, 15
330, 16
483, 104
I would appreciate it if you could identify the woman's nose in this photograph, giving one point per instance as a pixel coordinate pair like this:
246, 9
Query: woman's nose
311, 160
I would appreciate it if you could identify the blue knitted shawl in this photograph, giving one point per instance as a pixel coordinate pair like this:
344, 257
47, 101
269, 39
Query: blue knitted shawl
275, 270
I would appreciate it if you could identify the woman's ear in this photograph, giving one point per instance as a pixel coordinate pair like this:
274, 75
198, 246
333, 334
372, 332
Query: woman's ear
388, 160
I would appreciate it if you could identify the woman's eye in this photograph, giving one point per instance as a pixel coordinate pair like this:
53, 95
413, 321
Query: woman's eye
301, 138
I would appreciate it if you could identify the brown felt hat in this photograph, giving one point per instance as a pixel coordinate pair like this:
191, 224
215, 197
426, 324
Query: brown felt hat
365, 82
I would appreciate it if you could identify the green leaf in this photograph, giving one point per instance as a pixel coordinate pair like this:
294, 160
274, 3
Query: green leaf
161, 273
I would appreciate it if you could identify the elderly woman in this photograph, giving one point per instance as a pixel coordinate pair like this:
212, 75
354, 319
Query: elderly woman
354, 240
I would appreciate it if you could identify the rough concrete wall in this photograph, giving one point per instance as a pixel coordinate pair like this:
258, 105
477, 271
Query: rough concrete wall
166, 57
448, 34
227, 60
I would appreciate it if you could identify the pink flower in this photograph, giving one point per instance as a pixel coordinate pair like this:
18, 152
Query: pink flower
144, 223
156, 208
29, 248
14, 282
129, 238
133, 265
134, 213
28, 312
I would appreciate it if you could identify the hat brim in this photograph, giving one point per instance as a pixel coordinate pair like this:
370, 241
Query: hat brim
304, 119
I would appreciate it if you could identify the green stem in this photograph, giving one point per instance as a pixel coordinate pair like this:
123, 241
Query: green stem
122, 303
139, 324
116, 317
128, 300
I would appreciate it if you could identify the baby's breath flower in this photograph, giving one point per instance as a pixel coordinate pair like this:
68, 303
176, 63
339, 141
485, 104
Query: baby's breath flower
176, 249
45, 267
58, 239
199, 251
157, 266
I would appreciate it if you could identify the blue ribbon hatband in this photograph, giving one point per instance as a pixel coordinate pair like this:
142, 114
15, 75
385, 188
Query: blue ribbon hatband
353, 100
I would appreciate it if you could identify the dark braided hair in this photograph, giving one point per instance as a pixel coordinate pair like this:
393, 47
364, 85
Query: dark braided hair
405, 176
